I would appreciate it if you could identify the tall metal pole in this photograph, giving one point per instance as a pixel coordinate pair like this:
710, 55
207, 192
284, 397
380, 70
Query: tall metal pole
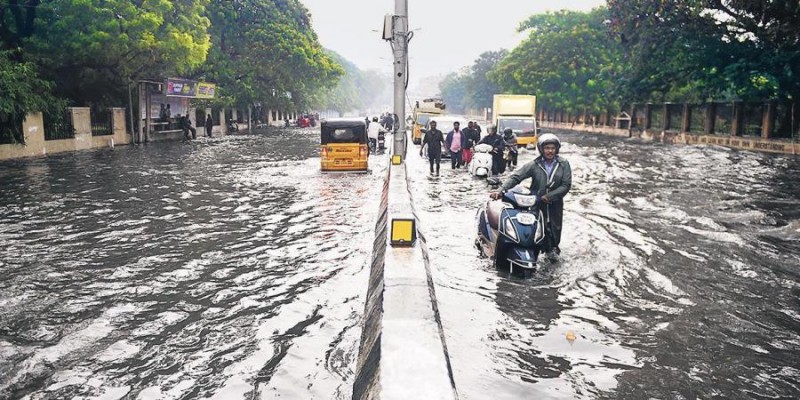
400, 46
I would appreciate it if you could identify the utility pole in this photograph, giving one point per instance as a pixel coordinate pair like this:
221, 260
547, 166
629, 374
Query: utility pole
400, 49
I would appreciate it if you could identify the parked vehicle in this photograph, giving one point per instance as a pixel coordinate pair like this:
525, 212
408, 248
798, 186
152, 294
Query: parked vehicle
343, 145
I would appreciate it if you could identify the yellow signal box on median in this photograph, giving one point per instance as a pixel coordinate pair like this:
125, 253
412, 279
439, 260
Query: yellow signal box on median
404, 232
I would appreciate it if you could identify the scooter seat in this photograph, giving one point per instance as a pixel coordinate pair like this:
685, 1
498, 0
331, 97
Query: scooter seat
493, 211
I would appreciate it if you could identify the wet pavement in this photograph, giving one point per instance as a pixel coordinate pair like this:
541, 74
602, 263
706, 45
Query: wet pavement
223, 268
679, 279
231, 268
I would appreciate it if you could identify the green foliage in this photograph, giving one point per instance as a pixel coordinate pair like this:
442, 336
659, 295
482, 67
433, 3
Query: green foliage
568, 61
703, 49
481, 89
255, 50
266, 51
454, 91
471, 88
92, 49
23, 92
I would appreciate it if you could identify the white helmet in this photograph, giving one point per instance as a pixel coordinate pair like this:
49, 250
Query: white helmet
548, 138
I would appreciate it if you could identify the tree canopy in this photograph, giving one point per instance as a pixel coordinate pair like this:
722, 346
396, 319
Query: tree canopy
471, 88
703, 49
266, 50
645, 50
87, 52
568, 61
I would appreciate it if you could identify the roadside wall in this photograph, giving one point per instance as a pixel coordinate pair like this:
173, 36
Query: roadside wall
779, 146
36, 145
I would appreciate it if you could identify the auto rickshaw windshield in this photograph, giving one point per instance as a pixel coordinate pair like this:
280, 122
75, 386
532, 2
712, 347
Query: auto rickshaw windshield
352, 134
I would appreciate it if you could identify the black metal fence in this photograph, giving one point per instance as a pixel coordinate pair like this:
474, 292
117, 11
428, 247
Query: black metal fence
58, 125
102, 121
760, 119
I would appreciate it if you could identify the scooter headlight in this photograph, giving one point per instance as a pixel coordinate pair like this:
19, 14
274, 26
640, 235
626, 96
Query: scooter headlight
509, 230
525, 200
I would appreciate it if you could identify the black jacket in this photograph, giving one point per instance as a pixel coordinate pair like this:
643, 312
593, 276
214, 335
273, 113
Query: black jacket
473, 137
496, 141
434, 139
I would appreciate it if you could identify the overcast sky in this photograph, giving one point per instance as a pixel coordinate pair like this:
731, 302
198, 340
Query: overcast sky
451, 33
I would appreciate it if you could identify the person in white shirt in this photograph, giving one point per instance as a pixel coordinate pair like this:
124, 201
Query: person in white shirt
373, 130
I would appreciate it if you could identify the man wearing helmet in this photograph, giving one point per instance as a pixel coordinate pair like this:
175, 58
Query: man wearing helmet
551, 180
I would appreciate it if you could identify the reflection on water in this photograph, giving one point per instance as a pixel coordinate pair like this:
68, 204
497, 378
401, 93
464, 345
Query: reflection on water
222, 268
679, 279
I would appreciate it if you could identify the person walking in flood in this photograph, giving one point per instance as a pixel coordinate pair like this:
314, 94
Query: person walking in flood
456, 141
209, 125
434, 139
473, 137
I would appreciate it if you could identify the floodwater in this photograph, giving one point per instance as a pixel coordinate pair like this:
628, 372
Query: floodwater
680, 279
224, 268
231, 268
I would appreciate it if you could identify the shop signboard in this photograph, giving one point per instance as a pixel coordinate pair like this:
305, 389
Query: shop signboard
206, 90
176, 87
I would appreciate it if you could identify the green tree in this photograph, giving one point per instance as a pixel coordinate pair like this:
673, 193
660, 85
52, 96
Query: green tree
481, 90
699, 49
266, 51
92, 49
568, 61
23, 92
454, 91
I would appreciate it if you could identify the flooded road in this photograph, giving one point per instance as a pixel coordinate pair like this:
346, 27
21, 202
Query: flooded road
680, 279
231, 268
223, 268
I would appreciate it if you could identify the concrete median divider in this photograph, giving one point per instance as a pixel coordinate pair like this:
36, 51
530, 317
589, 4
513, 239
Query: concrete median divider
403, 353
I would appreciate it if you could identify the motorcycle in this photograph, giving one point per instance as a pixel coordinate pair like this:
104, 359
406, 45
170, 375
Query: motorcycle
381, 142
511, 231
481, 164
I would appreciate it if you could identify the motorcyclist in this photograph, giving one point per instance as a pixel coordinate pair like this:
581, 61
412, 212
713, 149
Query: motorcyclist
551, 181
511, 145
373, 131
498, 145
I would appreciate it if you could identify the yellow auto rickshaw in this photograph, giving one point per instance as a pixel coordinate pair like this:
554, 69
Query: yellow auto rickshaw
344, 146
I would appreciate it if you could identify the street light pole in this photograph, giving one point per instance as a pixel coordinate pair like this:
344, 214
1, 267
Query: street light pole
400, 47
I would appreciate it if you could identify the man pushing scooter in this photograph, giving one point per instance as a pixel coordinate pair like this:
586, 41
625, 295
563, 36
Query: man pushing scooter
552, 179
